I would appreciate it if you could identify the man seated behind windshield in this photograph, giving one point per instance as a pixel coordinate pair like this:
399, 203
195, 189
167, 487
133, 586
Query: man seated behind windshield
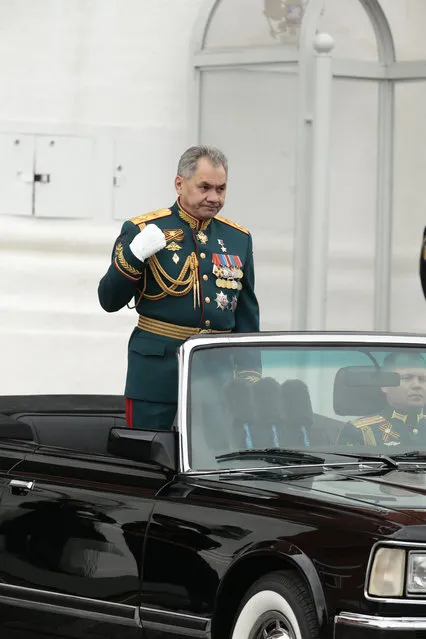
402, 421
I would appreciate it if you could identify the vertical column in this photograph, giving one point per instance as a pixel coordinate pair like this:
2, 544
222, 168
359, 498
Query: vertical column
317, 240
385, 171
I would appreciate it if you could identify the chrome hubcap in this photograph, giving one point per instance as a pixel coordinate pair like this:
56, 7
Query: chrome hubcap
272, 625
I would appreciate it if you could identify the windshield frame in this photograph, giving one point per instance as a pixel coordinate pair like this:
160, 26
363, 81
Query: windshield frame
293, 339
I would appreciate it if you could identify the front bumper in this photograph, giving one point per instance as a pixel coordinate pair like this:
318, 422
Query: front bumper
348, 625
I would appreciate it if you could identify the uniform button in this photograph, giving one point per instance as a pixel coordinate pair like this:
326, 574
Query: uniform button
207, 300
207, 322
202, 255
205, 277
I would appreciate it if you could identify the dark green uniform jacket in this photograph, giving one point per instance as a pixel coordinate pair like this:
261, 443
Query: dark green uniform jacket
388, 430
203, 278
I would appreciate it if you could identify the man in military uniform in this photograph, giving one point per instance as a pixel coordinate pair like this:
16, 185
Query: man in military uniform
189, 271
402, 422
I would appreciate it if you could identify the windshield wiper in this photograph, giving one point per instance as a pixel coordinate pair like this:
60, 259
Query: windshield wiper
412, 454
268, 454
389, 461
285, 455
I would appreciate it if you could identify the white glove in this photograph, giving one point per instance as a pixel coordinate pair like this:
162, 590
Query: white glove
150, 240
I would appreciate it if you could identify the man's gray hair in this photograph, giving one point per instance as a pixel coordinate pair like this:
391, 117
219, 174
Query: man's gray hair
189, 159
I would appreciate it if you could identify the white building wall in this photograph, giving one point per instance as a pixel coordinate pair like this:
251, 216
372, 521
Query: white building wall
117, 72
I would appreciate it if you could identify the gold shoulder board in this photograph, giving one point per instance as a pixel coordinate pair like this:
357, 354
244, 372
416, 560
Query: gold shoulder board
231, 223
365, 422
141, 220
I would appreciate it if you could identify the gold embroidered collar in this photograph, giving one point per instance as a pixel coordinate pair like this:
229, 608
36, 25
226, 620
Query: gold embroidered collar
403, 418
199, 225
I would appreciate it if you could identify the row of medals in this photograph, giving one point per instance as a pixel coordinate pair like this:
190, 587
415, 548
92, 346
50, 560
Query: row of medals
228, 277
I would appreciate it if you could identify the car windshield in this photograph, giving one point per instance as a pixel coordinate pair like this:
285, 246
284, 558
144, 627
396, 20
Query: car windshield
278, 400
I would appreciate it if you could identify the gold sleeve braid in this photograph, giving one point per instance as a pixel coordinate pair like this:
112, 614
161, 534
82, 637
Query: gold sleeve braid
124, 263
169, 285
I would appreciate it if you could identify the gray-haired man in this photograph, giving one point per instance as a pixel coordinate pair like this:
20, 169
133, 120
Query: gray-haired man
189, 272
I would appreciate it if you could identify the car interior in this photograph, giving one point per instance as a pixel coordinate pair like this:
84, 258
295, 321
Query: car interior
268, 414
279, 415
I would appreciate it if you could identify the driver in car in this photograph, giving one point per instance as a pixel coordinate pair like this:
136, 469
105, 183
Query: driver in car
402, 421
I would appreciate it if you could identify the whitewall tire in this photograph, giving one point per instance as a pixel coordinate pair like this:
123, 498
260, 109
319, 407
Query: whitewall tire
278, 606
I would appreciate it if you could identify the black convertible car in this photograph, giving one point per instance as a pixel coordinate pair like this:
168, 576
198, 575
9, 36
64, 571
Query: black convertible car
250, 519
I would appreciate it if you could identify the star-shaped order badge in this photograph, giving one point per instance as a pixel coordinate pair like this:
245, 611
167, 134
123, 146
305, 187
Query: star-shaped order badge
222, 245
222, 301
234, 302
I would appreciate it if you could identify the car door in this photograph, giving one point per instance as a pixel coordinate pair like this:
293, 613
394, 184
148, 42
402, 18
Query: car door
72, 529
16, 440
12, 452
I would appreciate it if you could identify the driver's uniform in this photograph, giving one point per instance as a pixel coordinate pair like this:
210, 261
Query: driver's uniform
390, 428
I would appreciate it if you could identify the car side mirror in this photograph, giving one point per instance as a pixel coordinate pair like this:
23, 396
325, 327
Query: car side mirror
150, 446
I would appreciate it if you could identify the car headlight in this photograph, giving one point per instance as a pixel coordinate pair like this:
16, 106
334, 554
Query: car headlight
416, 572
388, 573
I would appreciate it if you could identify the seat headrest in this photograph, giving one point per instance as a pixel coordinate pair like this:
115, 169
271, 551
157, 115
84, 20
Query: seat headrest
239, 399
267, 400
297, 403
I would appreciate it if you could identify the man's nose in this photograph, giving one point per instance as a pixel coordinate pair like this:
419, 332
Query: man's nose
212, 196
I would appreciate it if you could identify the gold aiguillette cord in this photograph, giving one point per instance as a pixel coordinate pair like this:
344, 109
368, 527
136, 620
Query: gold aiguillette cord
170, 286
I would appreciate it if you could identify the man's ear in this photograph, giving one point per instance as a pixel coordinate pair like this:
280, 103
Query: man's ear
178, 184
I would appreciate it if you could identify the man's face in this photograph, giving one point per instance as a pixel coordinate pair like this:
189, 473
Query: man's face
203, 195
411, 393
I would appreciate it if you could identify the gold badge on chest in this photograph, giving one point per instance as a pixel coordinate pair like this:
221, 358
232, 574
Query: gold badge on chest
173, 246
202, 237
173, 236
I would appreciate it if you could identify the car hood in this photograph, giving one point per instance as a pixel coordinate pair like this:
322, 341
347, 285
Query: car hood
388, 490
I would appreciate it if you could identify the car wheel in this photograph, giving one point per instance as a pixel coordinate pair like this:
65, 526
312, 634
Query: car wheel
277, 606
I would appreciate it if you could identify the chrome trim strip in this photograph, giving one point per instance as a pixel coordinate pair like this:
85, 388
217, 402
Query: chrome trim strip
70, 604
409, 545
380, 623
98, 610
175, 623
179, 615
44, 606
312, 338
183, 452
171, 630
316, 339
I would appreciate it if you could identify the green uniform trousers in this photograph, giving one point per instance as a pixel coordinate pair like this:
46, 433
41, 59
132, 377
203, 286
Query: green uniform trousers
150, 415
